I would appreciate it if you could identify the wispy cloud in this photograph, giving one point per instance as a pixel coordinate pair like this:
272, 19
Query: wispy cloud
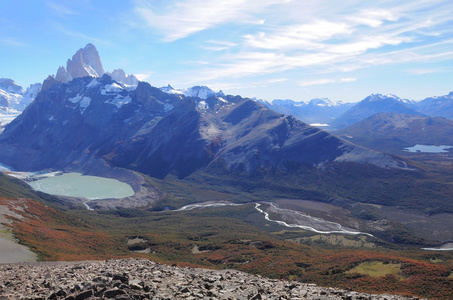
179, 19
81, 35
216, 45
340, 41
331, 44
373, 18
302, 36
60, 9
12, 42
327, 81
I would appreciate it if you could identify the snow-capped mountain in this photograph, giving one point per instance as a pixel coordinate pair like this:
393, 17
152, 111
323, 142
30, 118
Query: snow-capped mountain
322, 102
440, 106
316, 111
9, 86
202, 92
373, 104
381, 97
13, 96
13, 99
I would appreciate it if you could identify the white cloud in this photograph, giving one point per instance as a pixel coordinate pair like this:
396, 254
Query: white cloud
373, 18
216, 45
179, 19
12, 42
298, 36
327, 81
77, 34
223, 43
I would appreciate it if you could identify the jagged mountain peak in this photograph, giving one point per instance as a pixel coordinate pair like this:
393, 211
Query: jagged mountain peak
85, 62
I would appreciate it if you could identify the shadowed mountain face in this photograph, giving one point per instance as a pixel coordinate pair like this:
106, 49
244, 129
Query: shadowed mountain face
86, 119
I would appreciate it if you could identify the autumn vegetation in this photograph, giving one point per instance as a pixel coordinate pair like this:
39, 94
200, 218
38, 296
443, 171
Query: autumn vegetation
234, 237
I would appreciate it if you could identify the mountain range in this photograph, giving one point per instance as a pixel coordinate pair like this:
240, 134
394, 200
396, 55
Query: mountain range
93, 117
335, 115
318, 111
322, 112
156, 133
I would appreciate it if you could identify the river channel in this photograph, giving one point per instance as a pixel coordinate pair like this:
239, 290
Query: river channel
287, 218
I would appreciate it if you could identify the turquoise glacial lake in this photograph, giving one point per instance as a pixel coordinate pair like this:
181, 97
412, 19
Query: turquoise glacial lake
83, 186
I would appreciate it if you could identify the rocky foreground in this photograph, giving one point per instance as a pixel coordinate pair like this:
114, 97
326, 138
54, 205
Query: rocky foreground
144, 279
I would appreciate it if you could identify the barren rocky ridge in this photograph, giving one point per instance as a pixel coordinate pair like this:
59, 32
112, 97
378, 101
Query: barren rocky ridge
144, 279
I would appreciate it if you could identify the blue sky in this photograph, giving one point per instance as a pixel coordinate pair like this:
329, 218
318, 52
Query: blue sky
269, 49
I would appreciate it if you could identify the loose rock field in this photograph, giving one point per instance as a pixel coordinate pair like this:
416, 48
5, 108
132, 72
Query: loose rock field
144, 279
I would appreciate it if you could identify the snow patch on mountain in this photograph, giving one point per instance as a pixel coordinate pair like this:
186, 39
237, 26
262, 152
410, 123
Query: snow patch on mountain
113, 88
202, 105
119, 100
93, 83
82, 101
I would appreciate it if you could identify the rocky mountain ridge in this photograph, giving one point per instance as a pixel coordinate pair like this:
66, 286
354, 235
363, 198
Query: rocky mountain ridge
156, 133
144, 279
